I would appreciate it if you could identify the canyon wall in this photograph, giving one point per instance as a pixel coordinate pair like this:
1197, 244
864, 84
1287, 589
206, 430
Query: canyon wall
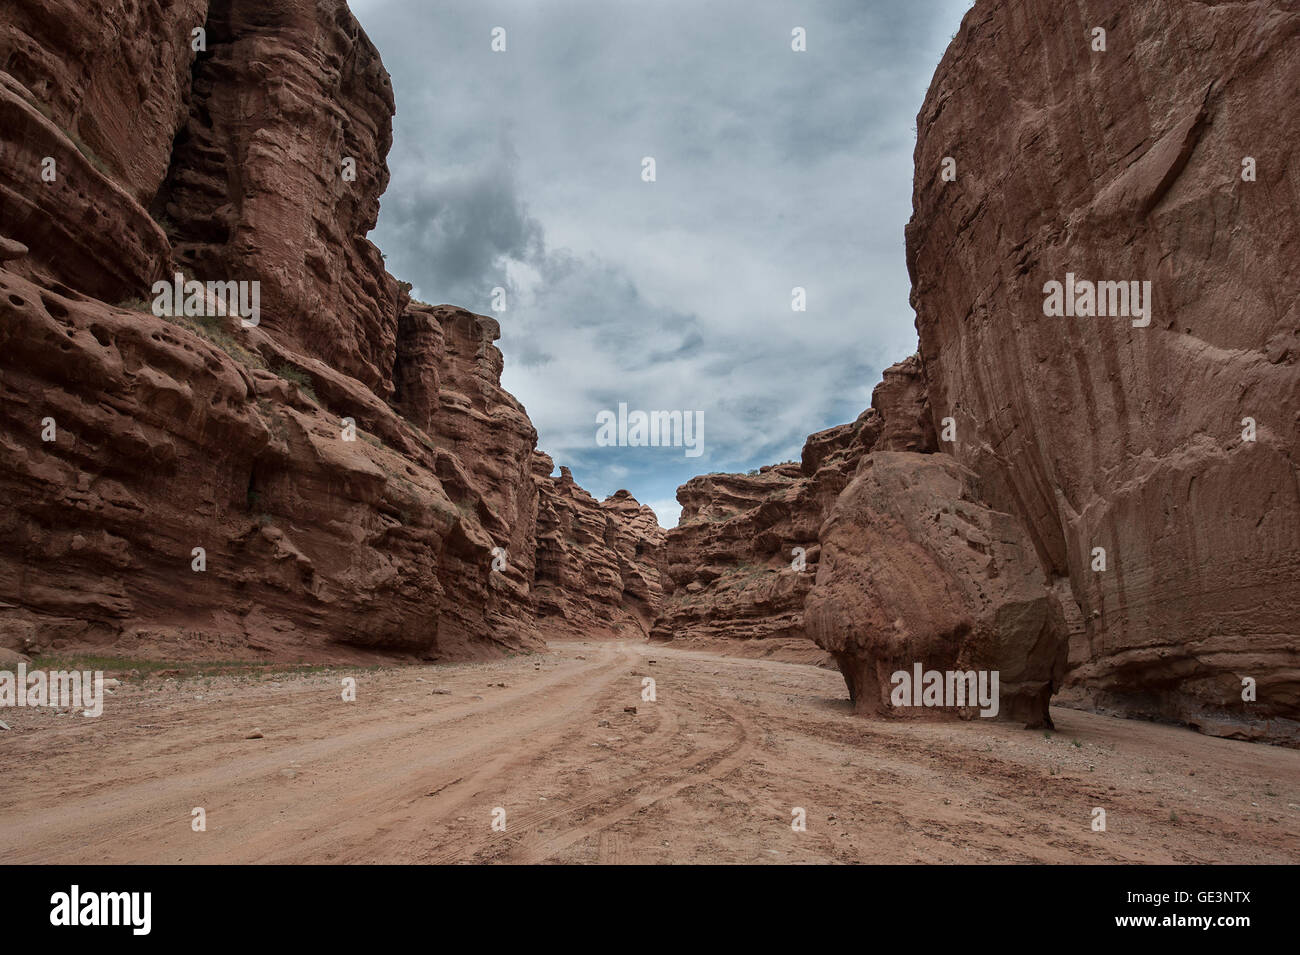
1169, 157
346, 477
599, 563
1114, 508
1106, 508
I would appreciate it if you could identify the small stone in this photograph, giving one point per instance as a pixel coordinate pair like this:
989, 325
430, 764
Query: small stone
440, 692
629, 709
254, 734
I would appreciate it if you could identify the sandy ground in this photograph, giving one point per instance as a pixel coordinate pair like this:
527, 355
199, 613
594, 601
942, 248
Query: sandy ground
710, 772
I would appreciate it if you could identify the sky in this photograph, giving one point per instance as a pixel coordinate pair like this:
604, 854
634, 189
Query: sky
524, 170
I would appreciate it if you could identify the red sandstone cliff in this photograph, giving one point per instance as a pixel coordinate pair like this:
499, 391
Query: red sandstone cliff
598, 562
1171, 445
351, 468
1128, 165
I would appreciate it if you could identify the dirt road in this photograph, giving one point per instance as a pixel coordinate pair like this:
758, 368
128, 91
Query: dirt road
711, 771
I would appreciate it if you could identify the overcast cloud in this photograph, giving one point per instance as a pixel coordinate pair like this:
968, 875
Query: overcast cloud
775, 169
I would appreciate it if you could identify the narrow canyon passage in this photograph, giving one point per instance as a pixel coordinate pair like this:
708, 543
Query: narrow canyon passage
710, 771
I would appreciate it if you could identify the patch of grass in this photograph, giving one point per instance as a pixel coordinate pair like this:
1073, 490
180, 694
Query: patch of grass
211, 330
300, 378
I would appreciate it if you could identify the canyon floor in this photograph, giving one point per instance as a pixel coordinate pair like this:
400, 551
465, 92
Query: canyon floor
412, 771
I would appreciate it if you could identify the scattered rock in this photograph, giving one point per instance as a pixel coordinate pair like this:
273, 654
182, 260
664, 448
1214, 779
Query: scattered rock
254, 734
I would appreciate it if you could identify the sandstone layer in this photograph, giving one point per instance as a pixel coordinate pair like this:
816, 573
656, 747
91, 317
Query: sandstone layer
1167, 158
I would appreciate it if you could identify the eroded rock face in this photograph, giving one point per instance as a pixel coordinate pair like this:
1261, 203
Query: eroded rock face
132, 440
113, 75
878, 549
915, 570
732, 556
284, 95
349, 476
598, 562
744, 555
80, 227
1127, 165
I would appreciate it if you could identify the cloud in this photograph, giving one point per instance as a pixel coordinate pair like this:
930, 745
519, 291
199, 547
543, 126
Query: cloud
775, 170
455, 230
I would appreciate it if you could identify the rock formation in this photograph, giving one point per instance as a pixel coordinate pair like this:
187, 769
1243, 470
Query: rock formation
742, 559
1125, 466
598, 562
916, 570
346, 476
898, 562
1167, 158
1092, 490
